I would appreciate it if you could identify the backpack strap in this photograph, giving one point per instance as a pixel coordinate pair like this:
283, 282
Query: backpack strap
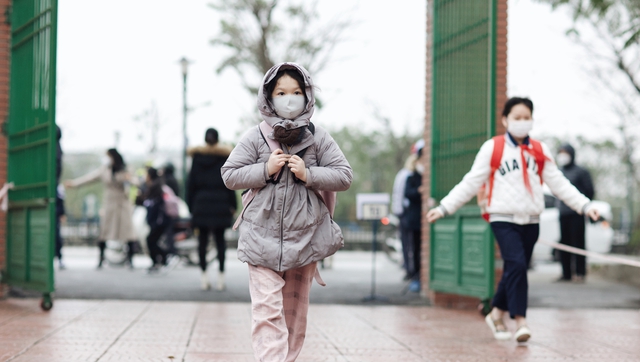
496, 159
264, 128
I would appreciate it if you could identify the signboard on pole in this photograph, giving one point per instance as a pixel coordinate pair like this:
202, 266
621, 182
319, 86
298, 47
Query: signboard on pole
372, 206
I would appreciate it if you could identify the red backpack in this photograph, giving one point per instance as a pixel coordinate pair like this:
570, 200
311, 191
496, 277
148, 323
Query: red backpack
484, 196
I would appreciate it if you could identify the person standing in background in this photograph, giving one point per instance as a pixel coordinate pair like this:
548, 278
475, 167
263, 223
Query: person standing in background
117, 210
157, 219
572, 224
398, 203
60, 210
211, 203
412, 221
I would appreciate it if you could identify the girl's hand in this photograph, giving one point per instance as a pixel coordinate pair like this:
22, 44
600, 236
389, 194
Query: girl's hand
68, 184
434, 214
593, 214
277, 159
297, 166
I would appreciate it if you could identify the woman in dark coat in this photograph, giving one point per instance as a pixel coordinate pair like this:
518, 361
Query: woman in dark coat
212, 205
411, 221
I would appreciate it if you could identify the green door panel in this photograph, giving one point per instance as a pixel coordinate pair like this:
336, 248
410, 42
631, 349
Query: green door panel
31, 137
463, 118
462, 250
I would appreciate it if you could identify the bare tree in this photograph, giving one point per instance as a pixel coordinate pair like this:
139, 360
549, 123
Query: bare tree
261, 33
609, 30
149, 123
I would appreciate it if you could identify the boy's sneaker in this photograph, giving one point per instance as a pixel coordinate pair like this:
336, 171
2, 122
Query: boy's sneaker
498, 328
523, 334
172, 262
414, 286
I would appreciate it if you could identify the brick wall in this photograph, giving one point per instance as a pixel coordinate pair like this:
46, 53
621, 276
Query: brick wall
436, 298
5, 51
426, 159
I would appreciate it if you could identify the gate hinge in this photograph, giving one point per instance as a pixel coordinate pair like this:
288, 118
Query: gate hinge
7, 15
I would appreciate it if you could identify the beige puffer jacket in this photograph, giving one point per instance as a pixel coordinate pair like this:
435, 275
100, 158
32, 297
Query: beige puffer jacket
286, 225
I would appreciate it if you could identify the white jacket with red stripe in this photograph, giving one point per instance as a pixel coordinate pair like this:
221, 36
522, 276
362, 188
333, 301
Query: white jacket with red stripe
511, 201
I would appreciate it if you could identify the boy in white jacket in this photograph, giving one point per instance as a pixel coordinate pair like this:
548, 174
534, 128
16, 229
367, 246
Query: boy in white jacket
515, 203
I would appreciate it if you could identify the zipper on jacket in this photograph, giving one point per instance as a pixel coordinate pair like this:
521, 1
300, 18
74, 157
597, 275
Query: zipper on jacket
284, 202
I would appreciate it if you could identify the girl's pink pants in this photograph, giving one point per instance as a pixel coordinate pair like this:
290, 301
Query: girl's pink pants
279, 306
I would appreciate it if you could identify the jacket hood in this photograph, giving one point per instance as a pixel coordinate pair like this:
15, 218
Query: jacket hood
570, 150
211, 150
266, 107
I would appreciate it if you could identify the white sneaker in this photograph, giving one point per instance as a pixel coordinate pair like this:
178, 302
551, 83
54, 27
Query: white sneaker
220, 282
172, 262
499, 335
523, 334
204, 281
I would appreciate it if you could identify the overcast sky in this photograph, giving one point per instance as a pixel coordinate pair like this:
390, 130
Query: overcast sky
115, 60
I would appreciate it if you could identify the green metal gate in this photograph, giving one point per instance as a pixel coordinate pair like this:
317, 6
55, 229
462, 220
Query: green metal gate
32, 146
463, 106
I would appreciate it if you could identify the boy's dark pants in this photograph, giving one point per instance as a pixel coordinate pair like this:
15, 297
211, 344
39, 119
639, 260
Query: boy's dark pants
516, 247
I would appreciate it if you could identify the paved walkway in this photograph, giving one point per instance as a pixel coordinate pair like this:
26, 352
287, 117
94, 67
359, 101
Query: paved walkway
95, 330
348, 281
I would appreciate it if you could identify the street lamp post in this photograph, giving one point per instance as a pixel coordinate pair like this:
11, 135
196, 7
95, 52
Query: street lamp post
184, 63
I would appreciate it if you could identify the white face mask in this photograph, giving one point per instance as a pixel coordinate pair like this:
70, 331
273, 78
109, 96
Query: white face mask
520, 129
563, 159
289, 106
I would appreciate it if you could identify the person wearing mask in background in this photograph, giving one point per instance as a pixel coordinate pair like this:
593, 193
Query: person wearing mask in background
287, 227
153, 201
398, 204
514, 204
211, 203
412, 220
117, 210
60, 211
572, 224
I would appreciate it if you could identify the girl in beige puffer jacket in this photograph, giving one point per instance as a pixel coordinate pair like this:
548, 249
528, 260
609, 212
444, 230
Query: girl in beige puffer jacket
286, 227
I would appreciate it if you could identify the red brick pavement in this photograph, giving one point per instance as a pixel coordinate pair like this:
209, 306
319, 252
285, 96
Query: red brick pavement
186, 331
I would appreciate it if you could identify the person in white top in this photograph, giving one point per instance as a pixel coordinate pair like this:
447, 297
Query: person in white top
514, 205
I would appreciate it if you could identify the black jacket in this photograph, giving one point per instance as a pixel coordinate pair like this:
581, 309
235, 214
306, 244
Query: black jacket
579, 177
211, 203
153, 201
412, 214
